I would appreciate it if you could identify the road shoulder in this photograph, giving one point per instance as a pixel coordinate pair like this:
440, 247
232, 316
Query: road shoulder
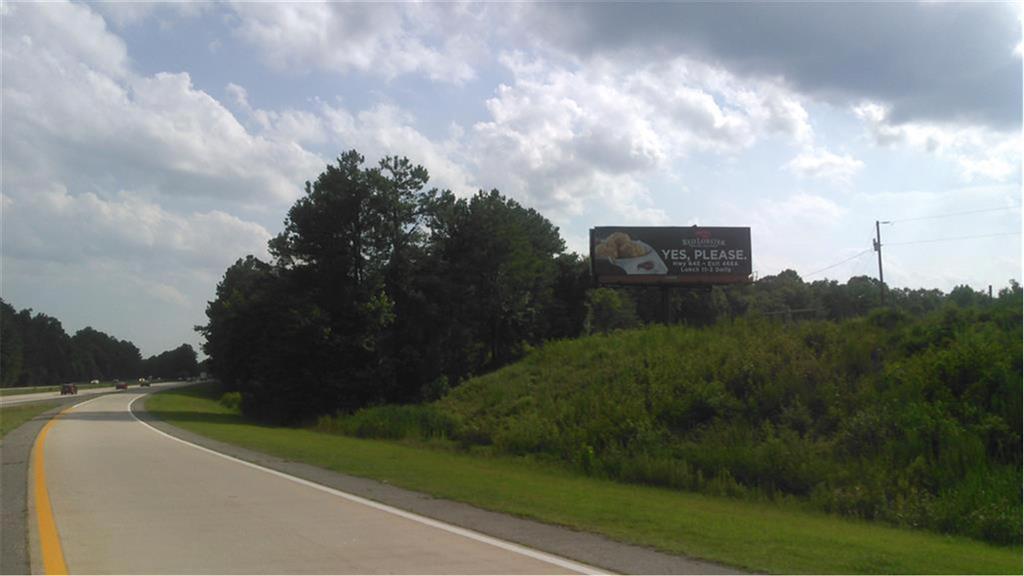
15, 456
580, 546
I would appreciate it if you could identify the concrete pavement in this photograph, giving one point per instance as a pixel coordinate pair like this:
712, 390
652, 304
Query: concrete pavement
127, 499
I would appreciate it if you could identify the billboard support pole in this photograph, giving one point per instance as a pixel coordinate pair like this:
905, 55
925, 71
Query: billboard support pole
666, 305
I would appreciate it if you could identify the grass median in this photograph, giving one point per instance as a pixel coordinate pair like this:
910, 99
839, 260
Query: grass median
752, 536
13, 416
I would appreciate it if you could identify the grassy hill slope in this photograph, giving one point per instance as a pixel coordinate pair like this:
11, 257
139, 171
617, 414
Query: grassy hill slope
916, 422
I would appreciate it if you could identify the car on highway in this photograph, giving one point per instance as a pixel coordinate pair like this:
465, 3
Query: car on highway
119, 385
143, 382
69, 388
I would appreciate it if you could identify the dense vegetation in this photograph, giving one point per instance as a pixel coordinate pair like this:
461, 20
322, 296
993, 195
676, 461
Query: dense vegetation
784, 296
380, 293
380, 290
913, 421
35, 351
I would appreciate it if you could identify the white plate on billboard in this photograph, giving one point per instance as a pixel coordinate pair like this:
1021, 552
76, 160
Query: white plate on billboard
648, 264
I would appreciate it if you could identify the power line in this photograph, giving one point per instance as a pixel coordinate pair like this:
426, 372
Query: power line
857, 255
954, 214
953, 238
859, 265
863, 252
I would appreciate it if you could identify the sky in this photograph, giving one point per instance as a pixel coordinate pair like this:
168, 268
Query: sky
146, 146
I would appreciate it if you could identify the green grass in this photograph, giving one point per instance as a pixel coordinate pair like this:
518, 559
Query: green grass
912, 421
752, 536
38, 389
13, 416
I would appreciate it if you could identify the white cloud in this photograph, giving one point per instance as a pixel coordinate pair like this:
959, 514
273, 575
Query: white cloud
999, 161
822, 164
117, 185
125, 14
388, 130
564, 139
74, 112
806, 209
978, 152
63, 34
124, 265
382, 39
240, 95
874, 115
56, 226
292, 126
161, 136
836, 52
781, 229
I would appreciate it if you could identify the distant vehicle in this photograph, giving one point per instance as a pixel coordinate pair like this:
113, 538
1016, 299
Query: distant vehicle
94, 382
68, 389
143, 382
118, 385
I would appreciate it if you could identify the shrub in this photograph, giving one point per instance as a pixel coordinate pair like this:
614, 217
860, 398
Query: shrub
231, 400
913, 421
609, 310
390, 422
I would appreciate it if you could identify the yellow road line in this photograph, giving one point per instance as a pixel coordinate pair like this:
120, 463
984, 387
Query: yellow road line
49, 540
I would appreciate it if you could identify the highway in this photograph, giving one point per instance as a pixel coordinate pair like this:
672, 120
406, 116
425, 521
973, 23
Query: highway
83, 393
127, 498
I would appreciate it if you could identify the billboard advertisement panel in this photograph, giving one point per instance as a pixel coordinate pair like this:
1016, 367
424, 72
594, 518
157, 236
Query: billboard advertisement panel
670, 255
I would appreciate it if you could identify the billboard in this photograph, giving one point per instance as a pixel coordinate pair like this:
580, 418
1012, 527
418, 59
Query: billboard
670, 255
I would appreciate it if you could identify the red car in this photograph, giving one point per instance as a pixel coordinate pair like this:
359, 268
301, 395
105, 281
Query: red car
120, 385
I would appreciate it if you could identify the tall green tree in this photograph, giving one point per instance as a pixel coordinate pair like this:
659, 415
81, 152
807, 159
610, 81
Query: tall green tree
567, 310
95, 355
234, 333
47, 350
609, 309
177, 363
499, 265
380, 290
348, 250
11, 346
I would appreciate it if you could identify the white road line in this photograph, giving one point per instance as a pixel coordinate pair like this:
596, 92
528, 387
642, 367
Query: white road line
535, 554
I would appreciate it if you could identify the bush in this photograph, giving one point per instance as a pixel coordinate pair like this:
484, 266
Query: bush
912, 421
231, 400
608, 310
390, 422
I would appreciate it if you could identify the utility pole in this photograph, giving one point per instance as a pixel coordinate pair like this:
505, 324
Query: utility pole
878, 248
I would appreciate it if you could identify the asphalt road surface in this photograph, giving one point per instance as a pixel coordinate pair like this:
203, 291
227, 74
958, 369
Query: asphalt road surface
127, 498
83, 393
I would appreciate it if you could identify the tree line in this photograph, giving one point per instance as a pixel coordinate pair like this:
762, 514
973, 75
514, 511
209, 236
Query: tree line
379, 290
36, 351
785, 296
